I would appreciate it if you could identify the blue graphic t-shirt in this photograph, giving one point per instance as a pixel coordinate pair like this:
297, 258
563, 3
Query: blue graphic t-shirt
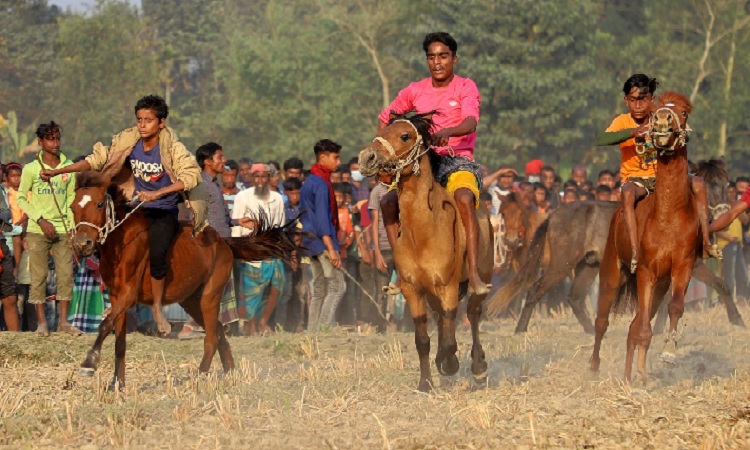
150, 176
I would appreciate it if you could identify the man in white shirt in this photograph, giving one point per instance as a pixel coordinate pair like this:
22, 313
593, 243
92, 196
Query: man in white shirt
258, 276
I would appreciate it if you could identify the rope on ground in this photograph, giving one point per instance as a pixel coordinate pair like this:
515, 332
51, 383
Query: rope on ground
364, 291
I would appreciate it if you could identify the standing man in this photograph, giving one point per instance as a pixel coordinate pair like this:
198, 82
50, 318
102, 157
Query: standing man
47, 225
456, 100
320, 223
257, 276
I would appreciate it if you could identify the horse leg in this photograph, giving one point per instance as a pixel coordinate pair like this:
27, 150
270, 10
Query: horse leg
610, 280
702, 273
119, 308
478, 363
421, 338
446, 359
646, 288
585, 275
118, 381
680, 281
662, 314
537, 291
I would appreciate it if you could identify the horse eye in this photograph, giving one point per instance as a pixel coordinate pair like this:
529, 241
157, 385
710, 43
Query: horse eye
405, 137
100, 205
684, 114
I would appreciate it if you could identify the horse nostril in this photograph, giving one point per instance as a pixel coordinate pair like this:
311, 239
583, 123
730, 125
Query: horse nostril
371, 157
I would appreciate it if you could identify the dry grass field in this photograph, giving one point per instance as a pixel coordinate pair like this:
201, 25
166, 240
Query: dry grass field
356, 390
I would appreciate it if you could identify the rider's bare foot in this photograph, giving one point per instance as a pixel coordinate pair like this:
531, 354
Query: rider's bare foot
477, 286
161, 323
634, 261
712, 251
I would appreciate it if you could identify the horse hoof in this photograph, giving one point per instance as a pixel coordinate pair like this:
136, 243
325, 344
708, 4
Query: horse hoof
479, 381
424, 386
86, 372
594, 365
449, 366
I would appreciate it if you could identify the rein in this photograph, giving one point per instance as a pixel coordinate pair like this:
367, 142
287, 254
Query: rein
110, 220
682, 134
412, 155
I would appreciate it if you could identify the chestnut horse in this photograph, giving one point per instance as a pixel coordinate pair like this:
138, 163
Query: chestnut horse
430, 251
520, 224
669, 241
199, 267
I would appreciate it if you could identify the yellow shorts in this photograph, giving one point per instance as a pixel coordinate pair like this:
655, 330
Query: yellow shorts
463, 179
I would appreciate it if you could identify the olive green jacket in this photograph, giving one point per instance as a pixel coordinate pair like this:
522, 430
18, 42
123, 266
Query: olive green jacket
178, 162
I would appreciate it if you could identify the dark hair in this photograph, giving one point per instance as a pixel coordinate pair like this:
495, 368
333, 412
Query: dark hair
547, 169
155, 104
745, 179
603, 188
570, 185
485, 196
606, 172
347, 189
326, 146
354, 160
244, 160
13, 166
274, 164
293, 163
541, 186
338, 187
292, 184
206, 151
640, 81
48, 129
443, 38
232, 164
341, 169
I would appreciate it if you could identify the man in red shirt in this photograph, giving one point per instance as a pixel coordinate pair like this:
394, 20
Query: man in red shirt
456, 100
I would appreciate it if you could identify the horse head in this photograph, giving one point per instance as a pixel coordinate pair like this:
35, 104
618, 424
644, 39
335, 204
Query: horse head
92, 208
397, 148
514, 215
714, 173
668, 123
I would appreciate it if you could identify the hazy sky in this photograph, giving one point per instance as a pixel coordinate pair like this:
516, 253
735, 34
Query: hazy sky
81, 5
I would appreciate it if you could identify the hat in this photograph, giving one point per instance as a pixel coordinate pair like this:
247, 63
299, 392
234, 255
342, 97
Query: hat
260, 167
534, 167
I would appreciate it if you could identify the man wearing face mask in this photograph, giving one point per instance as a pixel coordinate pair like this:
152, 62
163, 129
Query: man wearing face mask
534, 171
359, 189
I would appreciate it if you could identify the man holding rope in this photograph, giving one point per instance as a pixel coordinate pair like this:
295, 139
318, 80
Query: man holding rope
47, 204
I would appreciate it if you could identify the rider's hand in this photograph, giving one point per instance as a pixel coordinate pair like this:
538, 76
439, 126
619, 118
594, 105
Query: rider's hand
46, 174
47, 228
148, 196
247, 222
440, 138
639, 131
333, 255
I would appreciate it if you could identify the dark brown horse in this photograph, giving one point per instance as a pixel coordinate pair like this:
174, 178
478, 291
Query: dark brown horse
430, 251
199, 267
519, 225
669, 241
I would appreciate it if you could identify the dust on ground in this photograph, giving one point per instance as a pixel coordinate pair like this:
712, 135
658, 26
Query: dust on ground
343, 389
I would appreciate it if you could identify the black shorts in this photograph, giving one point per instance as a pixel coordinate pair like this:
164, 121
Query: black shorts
7, 280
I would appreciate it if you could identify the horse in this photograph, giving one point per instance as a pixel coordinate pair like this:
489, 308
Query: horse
669, 242
520, 224
430, 250
199, 267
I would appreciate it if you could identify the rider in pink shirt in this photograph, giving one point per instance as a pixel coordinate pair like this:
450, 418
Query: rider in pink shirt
456, 101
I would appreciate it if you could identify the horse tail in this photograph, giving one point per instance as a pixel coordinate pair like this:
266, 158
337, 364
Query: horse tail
266, 242
626, 301
526, 274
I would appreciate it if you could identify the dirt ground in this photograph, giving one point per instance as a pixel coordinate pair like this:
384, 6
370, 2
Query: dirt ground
357, 390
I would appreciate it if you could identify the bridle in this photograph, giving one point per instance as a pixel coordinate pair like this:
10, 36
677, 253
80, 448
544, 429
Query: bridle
412, 155
110, 220
683, 134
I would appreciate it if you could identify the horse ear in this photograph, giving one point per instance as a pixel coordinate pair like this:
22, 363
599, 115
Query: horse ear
392, 116
692, 167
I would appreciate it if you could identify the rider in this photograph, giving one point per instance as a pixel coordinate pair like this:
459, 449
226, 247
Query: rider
638, 167
159, 167
456, 100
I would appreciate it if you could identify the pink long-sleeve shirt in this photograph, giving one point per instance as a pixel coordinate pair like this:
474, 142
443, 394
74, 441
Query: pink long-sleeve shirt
453, 103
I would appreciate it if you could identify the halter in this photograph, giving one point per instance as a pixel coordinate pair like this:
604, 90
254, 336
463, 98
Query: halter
682, 133
412, 155
110, 220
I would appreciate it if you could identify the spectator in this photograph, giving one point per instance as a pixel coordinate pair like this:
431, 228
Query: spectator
382, 251
48, 227
505, 176
360, 191
13, 174
229, 188
294, 297
534, 171
336, 176
541, 198
294, 168
578, 175
275, 180
603, 193
607, 178
569, 196
7, 277
257, 276
243, 172
347, 314
321, 224
292, 188
548, 181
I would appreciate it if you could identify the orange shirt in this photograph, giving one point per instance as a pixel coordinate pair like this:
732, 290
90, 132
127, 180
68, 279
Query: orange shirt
15, 211
638, 157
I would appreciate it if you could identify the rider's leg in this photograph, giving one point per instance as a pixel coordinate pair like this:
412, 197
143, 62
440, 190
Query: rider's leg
162, 229
390, 211
630, 193
699, 191
467, 209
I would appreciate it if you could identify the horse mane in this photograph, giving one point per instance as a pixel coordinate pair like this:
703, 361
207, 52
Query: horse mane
93, 179
422, 122
679, 100
713, 171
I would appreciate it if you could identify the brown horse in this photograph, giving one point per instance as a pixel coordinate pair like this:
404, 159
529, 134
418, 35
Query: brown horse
430, 251
669, 240
520, 224
199, 267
